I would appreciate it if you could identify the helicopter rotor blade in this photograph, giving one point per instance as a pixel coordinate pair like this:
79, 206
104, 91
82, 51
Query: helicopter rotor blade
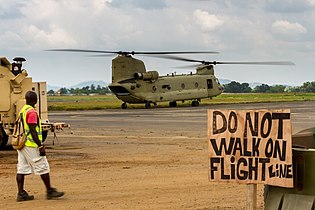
187, 66
175, 52
103, 55
172, 57
80, 50
133, 52
288, 63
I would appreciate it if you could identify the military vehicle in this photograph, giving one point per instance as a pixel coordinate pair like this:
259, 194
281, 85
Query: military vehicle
302, 195
14, 83
132, 83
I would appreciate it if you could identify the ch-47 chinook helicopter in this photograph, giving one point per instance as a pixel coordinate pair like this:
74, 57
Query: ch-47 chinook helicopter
132, 83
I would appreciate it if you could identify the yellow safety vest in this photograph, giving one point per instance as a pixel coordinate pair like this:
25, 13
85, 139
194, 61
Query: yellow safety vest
29, 139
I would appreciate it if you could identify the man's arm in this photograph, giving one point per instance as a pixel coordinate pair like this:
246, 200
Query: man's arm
34, 134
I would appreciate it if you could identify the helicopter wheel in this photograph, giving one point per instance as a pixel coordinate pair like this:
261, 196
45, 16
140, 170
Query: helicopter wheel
173, 104
124, 105
147, 105
195, 103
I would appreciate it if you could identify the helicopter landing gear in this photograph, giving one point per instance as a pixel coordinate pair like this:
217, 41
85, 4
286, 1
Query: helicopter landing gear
147, 104
195, 103
173, 104
124, 105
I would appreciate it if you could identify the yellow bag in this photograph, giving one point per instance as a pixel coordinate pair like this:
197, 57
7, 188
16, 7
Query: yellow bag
18, 136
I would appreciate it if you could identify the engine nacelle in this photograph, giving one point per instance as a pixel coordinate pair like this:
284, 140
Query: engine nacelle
150, 75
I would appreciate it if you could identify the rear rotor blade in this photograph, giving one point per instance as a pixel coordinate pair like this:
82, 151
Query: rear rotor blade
176, 52
289, 63
172, 57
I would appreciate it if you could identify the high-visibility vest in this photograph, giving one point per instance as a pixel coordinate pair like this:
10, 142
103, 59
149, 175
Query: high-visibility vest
29, 139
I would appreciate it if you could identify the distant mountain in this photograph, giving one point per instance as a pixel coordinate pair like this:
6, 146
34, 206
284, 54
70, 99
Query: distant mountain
89, 83
79, 85
52, 87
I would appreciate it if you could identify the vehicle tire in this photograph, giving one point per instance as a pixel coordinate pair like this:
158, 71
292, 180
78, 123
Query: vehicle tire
124, 105
3, 138
44, 135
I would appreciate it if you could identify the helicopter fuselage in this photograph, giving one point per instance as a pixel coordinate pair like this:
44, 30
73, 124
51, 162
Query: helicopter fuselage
133, 84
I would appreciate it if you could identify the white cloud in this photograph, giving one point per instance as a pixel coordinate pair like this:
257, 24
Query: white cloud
242, 30
311, 2
207, 21
54, 37
285, 27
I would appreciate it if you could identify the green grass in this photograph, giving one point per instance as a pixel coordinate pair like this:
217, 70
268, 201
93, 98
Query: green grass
262, 97
83, 102
98, 102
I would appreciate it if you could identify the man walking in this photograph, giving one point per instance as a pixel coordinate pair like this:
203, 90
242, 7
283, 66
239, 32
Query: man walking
32, 158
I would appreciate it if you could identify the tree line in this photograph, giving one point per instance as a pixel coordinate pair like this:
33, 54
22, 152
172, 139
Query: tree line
86, 90
236, 87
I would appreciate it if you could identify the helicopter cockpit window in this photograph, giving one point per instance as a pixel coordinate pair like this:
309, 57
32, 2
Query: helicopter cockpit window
209, 83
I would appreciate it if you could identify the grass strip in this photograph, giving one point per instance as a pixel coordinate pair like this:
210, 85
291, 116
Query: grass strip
98, 102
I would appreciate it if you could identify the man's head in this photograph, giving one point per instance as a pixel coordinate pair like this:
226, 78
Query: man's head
31, 98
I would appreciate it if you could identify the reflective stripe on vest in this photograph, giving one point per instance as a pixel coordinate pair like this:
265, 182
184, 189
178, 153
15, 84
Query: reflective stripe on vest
29, 139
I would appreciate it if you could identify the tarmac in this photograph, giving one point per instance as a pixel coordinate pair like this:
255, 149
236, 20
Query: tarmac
136, 159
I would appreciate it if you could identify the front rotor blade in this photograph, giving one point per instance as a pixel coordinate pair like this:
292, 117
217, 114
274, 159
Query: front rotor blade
80, 50
133, 52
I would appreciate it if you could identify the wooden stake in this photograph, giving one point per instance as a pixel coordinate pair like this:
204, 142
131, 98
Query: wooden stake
251, 202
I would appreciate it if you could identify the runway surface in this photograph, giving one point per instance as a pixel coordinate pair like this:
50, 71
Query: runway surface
136, 159
184, 119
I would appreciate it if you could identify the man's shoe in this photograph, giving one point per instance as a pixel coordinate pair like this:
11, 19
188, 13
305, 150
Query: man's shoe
24, 196
53, 193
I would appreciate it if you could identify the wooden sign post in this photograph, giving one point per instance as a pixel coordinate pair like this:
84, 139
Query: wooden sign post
250, 147
251, 200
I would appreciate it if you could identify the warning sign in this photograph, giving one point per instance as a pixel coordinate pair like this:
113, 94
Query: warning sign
250, 146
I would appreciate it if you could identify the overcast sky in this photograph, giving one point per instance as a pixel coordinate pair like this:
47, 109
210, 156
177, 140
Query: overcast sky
241, 30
